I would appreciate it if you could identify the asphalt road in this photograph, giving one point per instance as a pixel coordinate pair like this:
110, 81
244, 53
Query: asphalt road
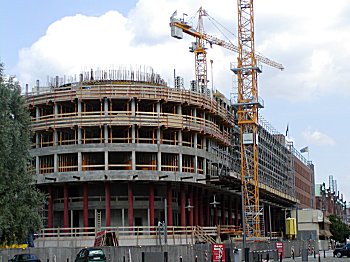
329, 257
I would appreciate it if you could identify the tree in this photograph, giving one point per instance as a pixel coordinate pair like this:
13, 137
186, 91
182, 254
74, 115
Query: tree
19, 198
339, 230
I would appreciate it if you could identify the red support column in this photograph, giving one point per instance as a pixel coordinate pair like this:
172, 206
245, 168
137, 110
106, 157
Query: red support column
190, 209
50, 208
195, 206
151, 204
170, 204
236, 212
130, 205
65, 206
230, 211
200, 206
108, 203
207, 209
223, 213
182, 205
85, 208
266, 221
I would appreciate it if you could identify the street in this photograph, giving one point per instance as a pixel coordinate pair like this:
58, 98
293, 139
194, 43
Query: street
329, 257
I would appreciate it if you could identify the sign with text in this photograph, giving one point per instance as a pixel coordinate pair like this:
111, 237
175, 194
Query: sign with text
218, 252
280, 248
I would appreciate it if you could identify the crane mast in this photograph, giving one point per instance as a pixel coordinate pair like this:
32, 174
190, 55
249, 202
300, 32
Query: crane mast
248, 102
200, 55
248, 106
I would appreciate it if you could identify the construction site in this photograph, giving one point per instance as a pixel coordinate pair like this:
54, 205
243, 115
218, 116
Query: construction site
122, 151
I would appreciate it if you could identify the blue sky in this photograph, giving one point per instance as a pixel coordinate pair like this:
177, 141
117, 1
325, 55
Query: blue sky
48, 38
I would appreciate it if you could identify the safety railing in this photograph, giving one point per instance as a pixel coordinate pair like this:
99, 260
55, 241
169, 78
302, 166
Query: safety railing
137, 91
87, 119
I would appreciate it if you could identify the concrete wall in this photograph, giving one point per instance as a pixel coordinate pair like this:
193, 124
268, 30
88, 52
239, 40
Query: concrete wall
120, 254
171, 253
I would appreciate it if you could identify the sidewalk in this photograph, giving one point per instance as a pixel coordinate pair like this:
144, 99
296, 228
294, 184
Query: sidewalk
319, 257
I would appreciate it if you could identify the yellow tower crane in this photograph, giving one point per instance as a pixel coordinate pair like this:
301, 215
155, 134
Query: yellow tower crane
248, 102
180, 26
248, 107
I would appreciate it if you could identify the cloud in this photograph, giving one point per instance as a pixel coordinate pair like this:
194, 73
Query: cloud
313, 47
318, 138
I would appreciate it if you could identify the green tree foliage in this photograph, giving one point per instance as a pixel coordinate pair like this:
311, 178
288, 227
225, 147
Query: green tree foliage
339, 230
19, 198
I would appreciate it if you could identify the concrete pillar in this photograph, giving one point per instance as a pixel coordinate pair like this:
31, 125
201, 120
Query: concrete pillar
105, 106
158, 107
37, 140
159, 160
195, 164
159, 135
179, 137
195, 156
133, 160
151, 204
133, 134
105, 134
55, 162
55, 136
105, 131
179, 134
204, 166
180, 162
65, 206
130, 205
133, 106
79, 135
106, 160
37, 165
85, 207
80, 162
159, 153
37, 118
37, 113
108, 203
79, 128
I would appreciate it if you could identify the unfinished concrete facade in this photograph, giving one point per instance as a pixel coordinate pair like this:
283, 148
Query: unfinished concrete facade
125, 149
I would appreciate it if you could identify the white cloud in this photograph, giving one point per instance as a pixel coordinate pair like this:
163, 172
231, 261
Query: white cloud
318, 138
312, 47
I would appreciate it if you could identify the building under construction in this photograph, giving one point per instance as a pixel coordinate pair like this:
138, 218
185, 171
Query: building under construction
121, 148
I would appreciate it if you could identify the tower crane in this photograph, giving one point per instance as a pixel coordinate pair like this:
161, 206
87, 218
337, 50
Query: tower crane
180, 26
248, 106
248, 102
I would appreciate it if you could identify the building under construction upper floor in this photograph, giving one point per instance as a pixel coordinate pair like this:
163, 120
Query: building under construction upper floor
122, 148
